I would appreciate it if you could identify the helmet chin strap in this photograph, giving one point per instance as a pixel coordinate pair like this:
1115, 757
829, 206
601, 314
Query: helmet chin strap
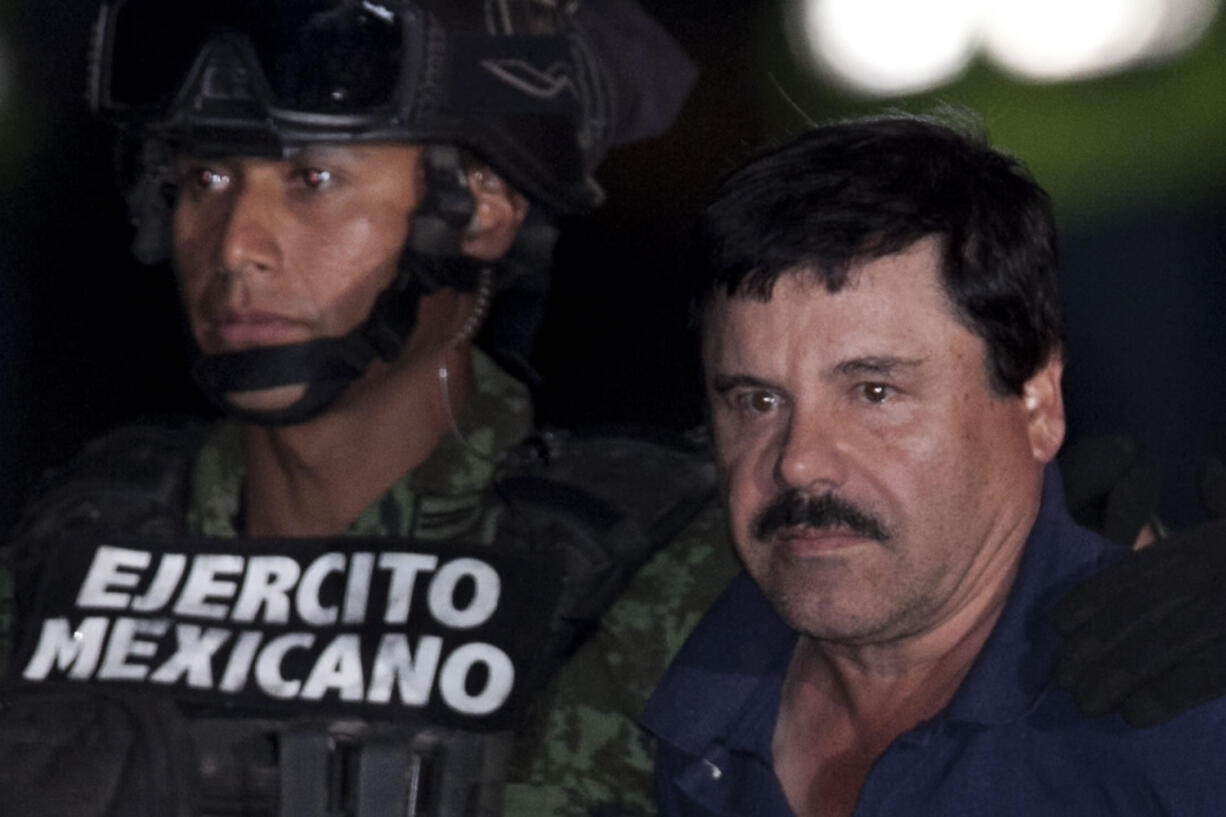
327, 366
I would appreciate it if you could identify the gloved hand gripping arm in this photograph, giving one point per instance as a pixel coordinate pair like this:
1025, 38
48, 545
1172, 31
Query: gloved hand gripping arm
1147, 636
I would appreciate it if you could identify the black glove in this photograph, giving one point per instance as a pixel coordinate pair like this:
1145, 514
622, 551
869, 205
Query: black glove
1147, 636
1111, 485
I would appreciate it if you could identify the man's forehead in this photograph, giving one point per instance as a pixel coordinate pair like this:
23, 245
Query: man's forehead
922, 257
895, 306
916, 268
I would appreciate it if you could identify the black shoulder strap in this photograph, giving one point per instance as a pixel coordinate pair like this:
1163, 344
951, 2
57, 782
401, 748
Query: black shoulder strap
132, 481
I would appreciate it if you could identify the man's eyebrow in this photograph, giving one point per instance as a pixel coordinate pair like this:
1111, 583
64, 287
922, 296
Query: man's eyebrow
723, 383
881, 366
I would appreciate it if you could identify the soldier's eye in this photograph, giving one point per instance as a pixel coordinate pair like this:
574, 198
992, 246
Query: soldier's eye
207, 178
315, 177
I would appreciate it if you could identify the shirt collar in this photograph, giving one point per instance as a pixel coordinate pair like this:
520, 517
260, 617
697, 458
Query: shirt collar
726, 680
496, 416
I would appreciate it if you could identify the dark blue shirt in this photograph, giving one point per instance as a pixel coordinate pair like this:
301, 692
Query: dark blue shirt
1008, 743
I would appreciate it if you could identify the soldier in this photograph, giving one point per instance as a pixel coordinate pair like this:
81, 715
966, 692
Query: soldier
343, 597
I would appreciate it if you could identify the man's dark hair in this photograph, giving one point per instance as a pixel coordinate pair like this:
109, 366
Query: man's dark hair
866, 188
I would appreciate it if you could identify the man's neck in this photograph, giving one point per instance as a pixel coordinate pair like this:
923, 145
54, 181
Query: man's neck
316, 478
843, 705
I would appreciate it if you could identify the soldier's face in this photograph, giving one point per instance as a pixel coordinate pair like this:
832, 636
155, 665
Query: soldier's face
274, 252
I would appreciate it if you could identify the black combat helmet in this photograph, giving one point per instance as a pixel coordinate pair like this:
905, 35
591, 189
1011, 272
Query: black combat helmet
538, 89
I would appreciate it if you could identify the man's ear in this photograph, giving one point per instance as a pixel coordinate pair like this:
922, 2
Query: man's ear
497, 215
1044, 404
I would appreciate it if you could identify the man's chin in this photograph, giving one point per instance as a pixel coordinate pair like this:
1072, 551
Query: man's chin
271, 399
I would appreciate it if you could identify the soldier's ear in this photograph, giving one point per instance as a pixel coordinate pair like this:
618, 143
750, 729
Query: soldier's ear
497, 215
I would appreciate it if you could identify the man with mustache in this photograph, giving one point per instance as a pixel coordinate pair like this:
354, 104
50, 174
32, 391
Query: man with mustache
883, 351
794, 509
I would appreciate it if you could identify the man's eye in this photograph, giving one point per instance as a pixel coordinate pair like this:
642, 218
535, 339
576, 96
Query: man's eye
759, 402
875, 392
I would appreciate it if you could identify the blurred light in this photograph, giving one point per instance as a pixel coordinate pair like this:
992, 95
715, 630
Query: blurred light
1064, 39
905, 46
890, 46
1183, 23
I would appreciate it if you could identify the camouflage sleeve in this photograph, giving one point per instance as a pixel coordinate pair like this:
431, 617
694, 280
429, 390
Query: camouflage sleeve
585, 754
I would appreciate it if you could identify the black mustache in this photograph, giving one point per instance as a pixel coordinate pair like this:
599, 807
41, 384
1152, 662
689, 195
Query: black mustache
794, 509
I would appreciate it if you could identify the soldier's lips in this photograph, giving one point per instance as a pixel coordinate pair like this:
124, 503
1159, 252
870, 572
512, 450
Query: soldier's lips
252, 330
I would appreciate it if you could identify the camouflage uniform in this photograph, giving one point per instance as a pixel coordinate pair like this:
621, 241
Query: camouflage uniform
583, 752
585, 755
443, 498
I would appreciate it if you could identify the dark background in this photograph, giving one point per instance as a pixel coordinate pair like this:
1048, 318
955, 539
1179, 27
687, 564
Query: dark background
1135, 163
